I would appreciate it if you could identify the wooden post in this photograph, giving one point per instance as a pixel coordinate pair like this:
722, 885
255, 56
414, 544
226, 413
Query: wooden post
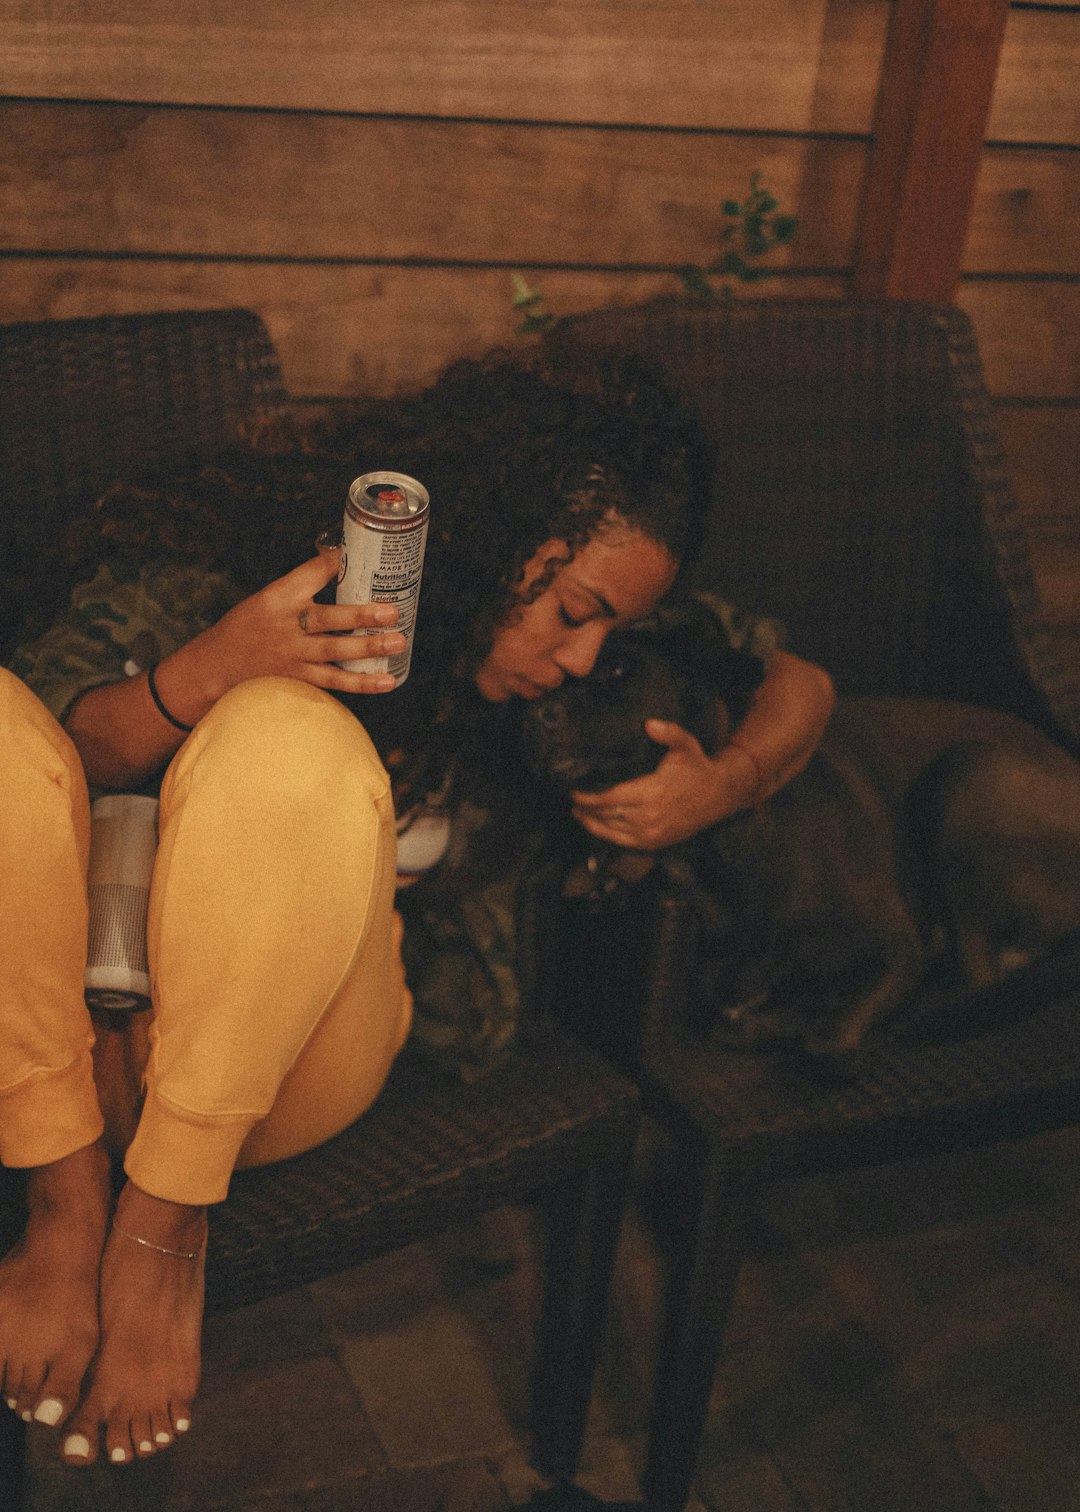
937, 82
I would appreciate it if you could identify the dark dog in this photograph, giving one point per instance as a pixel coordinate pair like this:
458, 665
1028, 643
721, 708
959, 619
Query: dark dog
922, 838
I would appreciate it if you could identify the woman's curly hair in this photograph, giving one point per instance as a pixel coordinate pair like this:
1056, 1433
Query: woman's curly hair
512, 457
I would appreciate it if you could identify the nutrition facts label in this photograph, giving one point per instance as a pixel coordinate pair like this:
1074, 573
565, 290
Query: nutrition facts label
383, 567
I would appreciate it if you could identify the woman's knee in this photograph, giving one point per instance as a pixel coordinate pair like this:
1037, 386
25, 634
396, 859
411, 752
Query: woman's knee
35, 743
285, 742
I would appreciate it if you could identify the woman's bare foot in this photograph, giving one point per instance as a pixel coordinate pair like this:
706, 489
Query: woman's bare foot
49, 1287
144, 1377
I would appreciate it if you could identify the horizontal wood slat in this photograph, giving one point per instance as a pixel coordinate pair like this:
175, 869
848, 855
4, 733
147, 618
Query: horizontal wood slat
102, 178
1029, 336
787, 64
1036, 93
1025, 217
123, 178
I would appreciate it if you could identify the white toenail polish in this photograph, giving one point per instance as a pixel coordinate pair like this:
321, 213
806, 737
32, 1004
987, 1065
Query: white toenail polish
182, 1425
27, 1416
162, 1438
12, 1403
145, 1447
118, 1455
49, 1411
76, 1444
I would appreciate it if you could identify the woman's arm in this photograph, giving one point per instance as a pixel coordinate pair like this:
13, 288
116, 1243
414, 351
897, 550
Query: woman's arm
121, 735
690, 791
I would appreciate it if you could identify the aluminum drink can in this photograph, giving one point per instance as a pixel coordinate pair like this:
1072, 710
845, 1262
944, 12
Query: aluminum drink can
382, 557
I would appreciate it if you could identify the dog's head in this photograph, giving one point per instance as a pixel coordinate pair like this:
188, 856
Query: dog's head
589, 733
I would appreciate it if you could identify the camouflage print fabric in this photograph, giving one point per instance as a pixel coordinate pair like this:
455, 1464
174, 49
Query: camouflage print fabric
460, 943
754, 633
118, 624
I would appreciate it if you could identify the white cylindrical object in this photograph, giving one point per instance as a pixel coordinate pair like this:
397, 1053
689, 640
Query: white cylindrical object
123, 844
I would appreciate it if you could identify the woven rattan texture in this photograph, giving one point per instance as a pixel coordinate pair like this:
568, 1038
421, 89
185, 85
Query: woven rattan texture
85, 402
1016, 1072
426, 1156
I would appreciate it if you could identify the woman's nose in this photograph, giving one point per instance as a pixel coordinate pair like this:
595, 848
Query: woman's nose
577, 654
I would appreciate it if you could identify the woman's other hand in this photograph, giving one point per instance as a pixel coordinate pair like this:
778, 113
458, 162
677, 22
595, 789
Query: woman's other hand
690, 790
687, 792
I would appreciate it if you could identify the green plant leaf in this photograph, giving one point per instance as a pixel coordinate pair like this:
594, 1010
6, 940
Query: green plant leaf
523, 294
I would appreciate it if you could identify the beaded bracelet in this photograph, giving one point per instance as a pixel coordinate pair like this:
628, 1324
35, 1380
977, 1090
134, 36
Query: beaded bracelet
760, 780
162, 710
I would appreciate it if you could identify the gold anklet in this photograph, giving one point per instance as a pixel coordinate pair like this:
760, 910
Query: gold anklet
160, 1248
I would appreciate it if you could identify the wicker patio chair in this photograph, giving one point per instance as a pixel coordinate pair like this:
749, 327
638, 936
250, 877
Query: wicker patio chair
860, 495
82, 402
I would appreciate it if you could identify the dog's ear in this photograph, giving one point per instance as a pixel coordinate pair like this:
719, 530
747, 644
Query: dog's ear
707, 668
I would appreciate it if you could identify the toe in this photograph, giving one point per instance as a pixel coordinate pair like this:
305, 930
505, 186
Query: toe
79, 1445
161, 1429
15, 1394
118, 1444
142, 1435
181, 1416
56, 1396
30, 1391
50, 1410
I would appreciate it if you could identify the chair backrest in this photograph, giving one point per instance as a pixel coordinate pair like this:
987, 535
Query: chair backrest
84, 402
859, 492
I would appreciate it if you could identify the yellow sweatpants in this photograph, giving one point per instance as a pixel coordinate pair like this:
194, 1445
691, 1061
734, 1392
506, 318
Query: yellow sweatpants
279, 999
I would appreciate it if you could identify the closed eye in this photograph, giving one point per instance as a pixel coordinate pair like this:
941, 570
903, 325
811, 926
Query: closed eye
569, 621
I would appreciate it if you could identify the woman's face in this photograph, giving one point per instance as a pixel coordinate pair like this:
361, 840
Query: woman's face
615, 578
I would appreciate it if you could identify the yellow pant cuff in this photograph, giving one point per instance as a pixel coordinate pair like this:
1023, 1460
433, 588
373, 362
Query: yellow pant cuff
49, 1115
185, 1157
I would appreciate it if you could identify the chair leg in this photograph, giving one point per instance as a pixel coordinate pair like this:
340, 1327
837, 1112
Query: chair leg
12, 1460
583, 1221
709, 1249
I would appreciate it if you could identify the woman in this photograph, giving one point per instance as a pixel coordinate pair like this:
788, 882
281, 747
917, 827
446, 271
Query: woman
279, 999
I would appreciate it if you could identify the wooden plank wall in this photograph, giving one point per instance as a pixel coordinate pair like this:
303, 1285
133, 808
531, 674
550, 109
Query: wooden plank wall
368, 177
